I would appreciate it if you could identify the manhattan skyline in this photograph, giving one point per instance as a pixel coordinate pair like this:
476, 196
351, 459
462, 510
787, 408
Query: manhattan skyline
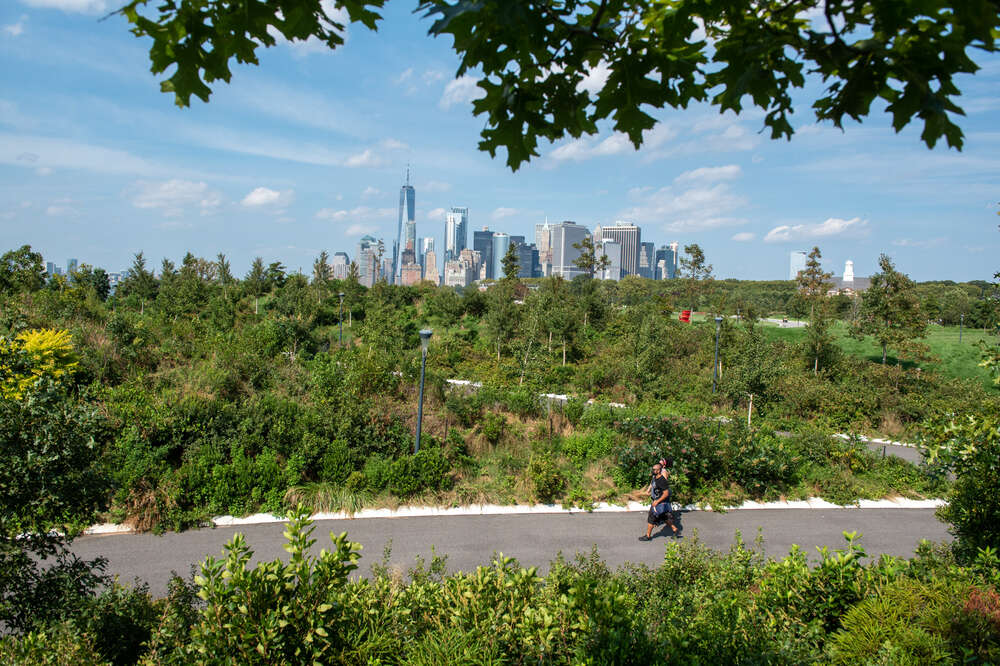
308, 152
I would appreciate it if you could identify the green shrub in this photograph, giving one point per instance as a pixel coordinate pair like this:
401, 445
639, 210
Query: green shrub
378, 473
492, 427
336, 464
547, 481
56, 645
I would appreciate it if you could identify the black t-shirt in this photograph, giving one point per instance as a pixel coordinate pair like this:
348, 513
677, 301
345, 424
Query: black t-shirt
659, 486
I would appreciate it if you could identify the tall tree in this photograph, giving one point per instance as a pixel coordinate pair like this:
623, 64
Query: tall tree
696, 272
890, 309
225, 275
814, 284
589, 262
531, 63
321, 269
96, 279
21, 270
256, 281
139, 281
510, 263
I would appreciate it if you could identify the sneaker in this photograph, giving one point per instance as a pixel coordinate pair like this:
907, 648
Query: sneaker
644, 538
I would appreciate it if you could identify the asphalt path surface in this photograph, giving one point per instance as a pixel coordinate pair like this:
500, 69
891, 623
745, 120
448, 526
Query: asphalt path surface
534, 539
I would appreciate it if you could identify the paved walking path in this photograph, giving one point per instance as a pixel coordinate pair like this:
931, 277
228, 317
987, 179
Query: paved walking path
534, 539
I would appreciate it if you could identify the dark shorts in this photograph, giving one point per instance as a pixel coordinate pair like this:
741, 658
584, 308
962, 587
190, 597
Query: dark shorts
654, 518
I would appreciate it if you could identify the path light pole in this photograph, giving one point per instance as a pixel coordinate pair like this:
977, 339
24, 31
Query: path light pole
425, 338
961, 325
715, 367
340, 322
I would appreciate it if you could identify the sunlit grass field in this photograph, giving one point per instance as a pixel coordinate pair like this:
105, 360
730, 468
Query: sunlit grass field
957, 359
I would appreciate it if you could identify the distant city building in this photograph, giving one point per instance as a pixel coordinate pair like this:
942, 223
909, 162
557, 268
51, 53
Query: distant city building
463, 271
51, 268
430, 266
408, 214
629, 237
797, 263
482, 242
456, 232
666, 261
563, 236
411, 236
340, 265
410, 274
543, 241
527, 258
647, 261
611, 249
367, 261
501, 242
71, 265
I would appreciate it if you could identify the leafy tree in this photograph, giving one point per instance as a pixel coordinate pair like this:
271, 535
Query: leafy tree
695, 272
890, 310
276, 276
588, 261
814, 284
511, 264
256, 281
96, 279
138, 281
502, 314
969, 446
225, 275
322, 274
531, 60
21, 270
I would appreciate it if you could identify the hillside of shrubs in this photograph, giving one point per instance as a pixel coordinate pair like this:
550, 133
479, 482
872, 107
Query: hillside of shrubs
190, 393
205, 394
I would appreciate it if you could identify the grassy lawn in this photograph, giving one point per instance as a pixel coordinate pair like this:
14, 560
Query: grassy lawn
955, 359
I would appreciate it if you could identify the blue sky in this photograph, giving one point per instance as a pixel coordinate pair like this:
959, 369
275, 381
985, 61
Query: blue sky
307, 152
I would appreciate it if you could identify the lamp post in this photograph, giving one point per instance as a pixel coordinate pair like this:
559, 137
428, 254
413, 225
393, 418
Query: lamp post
961, 325
715, 367
425, 338
340, 321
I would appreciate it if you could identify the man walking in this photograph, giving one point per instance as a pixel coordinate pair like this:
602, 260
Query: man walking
659, 510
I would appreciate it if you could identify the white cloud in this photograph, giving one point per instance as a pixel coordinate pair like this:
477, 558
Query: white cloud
435, 186
37, 151
43, 171
173, 196
358, 230
394, 144
501, 213
366, 158
370, 192
60, 208
433, 76
678, 210
831, 228
359, 215
264, 196
77, 6
15, 29
594, 80
436, 214
909, 242
404, 76
460, 91
585, 148
743, 237
706, 175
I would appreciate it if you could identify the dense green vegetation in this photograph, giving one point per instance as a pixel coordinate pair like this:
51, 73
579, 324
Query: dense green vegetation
193, 393
218, 395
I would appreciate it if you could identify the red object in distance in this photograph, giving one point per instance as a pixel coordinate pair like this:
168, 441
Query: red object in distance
685, 316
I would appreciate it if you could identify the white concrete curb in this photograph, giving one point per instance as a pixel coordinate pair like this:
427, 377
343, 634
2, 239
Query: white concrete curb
876, 440
527, 509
